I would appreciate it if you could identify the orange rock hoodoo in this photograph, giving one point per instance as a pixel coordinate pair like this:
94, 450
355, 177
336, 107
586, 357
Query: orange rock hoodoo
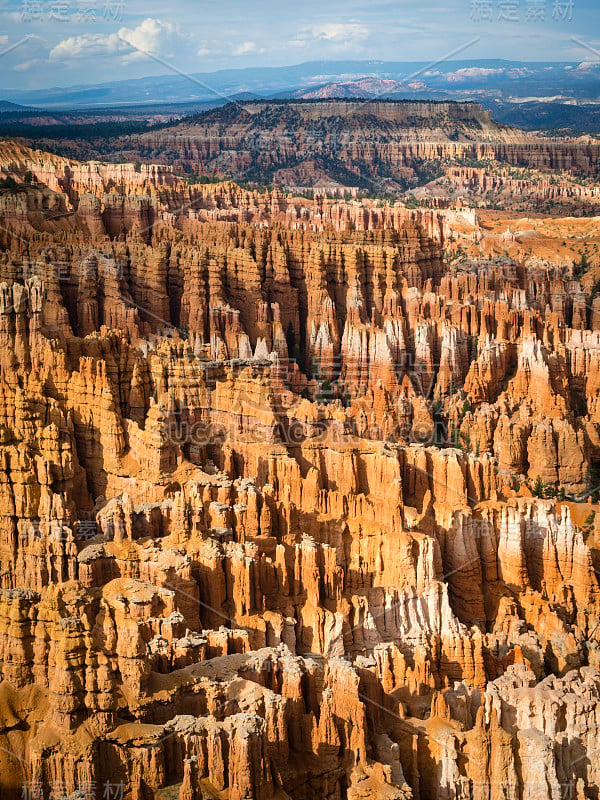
265, 528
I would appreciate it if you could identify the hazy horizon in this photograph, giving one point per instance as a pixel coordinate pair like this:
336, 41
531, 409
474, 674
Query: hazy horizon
64, 43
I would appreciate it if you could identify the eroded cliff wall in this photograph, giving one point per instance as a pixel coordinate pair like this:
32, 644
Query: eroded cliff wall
265, 527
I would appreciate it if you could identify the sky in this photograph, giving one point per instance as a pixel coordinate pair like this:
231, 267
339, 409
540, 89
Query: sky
47, 43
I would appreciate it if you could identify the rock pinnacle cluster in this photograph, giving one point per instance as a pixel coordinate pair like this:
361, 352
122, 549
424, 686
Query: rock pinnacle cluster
298, 497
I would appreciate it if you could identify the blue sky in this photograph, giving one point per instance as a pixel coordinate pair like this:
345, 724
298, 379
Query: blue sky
46, 43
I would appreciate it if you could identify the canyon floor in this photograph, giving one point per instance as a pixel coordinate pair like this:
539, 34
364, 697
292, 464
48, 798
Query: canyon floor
298, 497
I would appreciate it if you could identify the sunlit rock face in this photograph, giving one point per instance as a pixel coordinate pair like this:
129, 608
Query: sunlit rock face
291, 507
376, 144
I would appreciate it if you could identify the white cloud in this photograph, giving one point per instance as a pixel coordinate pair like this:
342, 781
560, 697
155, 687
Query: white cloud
246, 48
25, 65
150, 36
340, 31
88, 44
3, 40
340, 35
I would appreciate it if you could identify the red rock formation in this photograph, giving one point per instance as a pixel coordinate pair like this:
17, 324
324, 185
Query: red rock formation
267, 524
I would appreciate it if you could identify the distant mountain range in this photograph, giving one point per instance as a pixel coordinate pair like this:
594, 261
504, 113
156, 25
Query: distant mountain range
512, 81
381, 146
7, 107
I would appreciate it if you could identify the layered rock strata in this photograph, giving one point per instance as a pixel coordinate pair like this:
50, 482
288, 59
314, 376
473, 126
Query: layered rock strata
267, 525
